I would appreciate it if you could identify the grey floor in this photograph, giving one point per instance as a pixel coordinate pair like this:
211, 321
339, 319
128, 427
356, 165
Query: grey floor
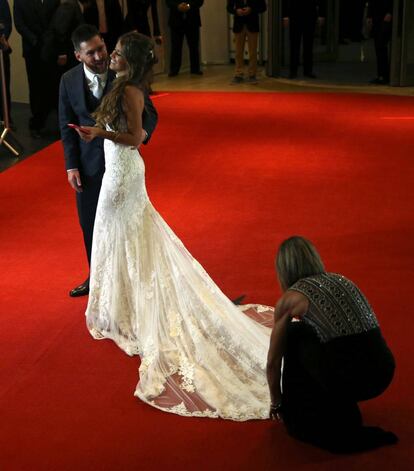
25, 144
356, 65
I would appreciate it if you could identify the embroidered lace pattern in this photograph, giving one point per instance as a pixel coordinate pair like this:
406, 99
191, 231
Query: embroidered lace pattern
200, 354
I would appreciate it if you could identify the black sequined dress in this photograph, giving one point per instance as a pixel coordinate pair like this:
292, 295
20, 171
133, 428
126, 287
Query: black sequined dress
336, 356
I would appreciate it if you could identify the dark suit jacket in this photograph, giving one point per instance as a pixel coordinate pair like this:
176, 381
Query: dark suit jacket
76, 103
137, 17
177, 19
5, 18
377, 9
114, 18
57, 38
31, 19
303, 8
251, 21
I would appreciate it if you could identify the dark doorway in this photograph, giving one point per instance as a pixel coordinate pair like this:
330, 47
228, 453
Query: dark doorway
344, 52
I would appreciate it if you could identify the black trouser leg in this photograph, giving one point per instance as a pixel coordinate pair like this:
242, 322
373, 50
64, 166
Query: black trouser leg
382, 37
87, 202
308, 38
295, 36
39, 101
192, 34
43, 96
177, 37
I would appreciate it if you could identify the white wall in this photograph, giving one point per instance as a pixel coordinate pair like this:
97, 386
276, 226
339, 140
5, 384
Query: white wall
214, 32
19, 87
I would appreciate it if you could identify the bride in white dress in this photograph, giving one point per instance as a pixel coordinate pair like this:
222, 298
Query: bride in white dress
200, 354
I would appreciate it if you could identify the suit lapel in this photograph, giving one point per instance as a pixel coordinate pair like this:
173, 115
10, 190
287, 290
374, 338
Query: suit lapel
80, 87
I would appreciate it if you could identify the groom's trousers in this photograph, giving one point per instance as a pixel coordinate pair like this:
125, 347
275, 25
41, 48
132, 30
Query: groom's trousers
87, 202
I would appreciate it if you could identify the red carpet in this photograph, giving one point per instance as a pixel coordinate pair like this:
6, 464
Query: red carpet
233, 174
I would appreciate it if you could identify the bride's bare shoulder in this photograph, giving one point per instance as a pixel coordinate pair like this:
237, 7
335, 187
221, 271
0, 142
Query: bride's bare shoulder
133, 96
133, 91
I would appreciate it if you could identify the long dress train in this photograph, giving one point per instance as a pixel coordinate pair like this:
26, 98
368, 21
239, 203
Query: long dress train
200, 354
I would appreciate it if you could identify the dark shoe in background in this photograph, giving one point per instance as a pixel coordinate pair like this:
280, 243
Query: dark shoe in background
238, 300
379, 81
252, 80
237, 79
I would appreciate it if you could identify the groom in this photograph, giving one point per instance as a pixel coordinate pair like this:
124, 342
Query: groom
81, 91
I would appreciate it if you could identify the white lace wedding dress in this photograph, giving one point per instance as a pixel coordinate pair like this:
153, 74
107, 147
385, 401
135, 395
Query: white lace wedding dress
200, 354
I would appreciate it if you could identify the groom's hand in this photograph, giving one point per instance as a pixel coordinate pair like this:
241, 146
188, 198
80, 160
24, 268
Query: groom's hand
74, 180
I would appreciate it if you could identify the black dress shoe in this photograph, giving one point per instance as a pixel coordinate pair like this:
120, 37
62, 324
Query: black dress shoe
238, 300
81, 290
311, 76
197, 72
293, 75
379, 81
173, 74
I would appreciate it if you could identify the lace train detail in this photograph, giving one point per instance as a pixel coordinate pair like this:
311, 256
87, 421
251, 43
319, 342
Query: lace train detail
200, 354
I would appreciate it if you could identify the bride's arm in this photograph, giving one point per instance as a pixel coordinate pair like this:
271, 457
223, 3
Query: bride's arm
133, 106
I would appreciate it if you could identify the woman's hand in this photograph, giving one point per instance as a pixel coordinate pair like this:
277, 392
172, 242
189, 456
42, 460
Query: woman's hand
89, 133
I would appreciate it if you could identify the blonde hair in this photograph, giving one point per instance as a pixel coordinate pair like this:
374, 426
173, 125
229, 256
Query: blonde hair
297, 258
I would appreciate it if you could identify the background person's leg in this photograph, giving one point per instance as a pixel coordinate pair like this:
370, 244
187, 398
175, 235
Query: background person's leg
308, 40
177, 37
193, 40
382, 38
252, 39
239, 40
295, 35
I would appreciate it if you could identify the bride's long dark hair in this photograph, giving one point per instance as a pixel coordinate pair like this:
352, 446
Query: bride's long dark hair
138, 52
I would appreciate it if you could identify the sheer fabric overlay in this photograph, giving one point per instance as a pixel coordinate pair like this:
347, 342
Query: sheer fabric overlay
200, 354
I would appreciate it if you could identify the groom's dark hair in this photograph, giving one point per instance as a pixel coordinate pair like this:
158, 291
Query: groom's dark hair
83, 33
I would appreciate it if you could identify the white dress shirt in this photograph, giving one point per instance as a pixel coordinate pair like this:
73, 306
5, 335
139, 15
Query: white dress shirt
92, 81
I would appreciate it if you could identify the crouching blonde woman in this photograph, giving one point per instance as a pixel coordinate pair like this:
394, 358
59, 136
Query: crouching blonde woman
334, 354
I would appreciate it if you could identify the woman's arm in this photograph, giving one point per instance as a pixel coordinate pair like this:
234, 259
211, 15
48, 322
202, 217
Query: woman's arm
276, 352
133, 105
292, 304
